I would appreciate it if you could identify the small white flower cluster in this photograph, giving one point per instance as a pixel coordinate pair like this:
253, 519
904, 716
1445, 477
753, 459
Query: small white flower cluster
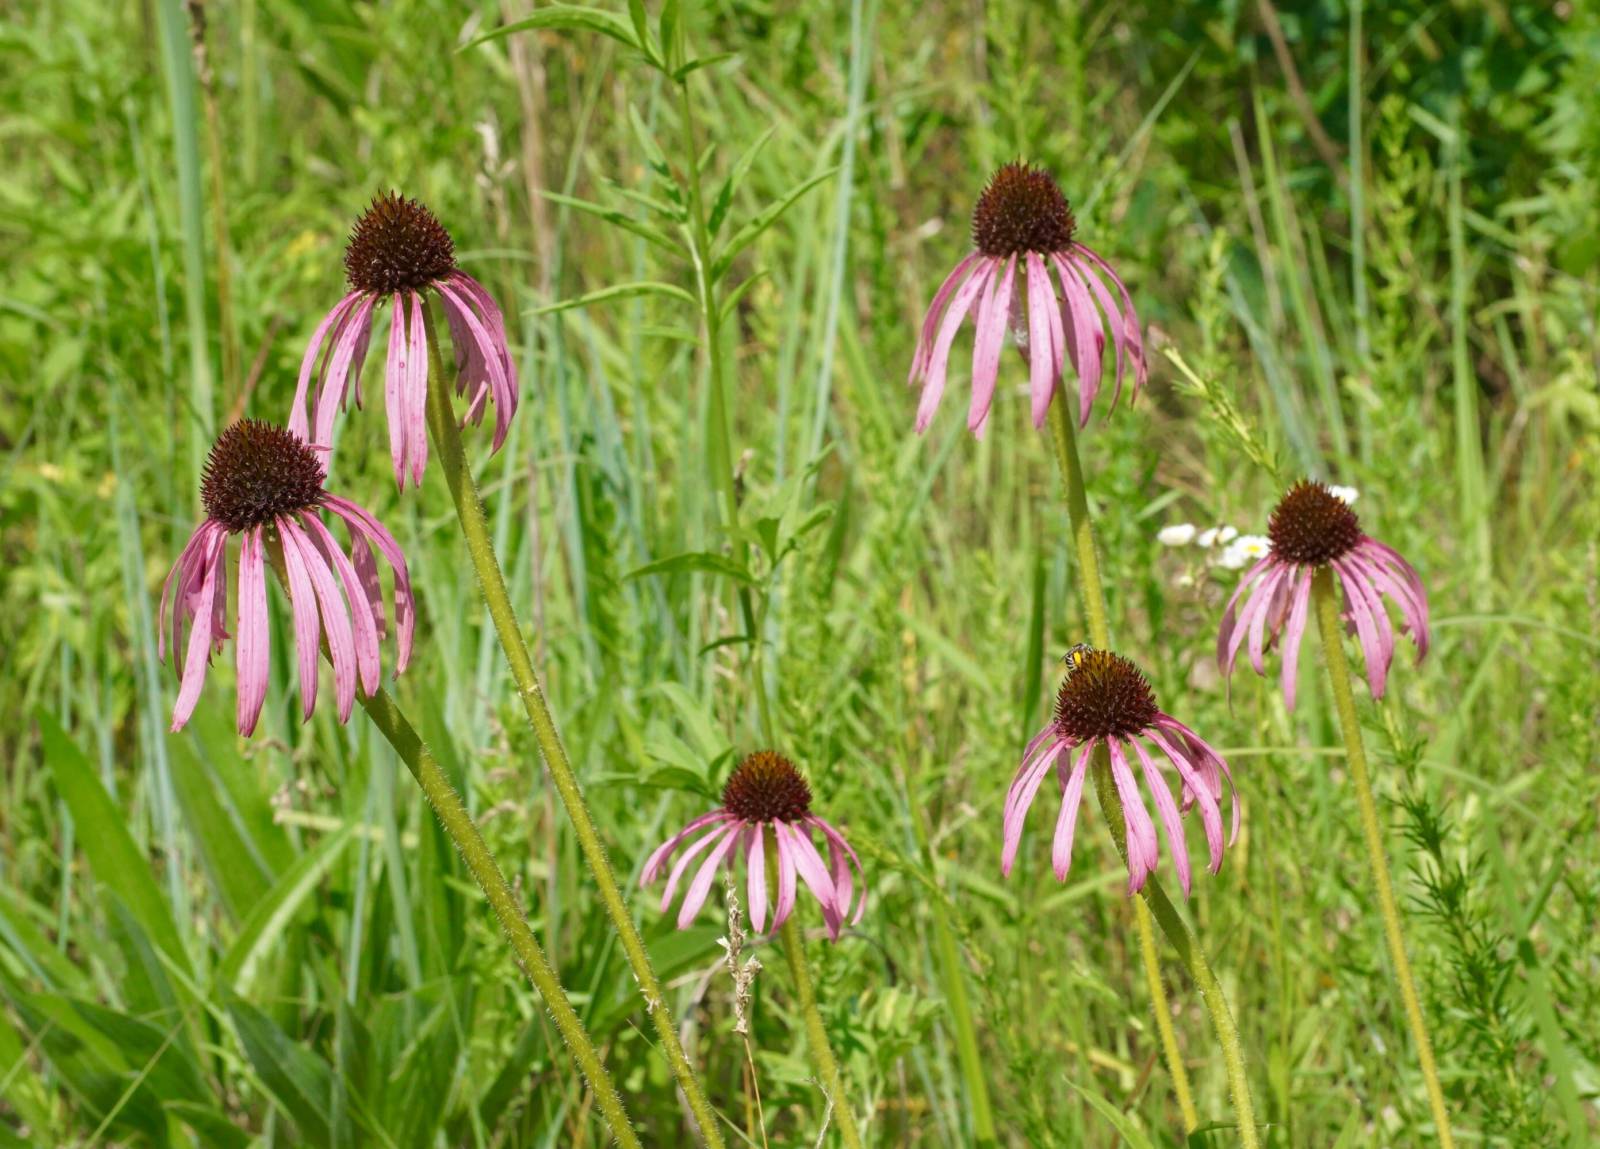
1225, 546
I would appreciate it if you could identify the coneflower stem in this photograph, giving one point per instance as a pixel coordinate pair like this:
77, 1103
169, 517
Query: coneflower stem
446, 437
452, 814
794, 949
1188, 947
1344, 701
1163, 1012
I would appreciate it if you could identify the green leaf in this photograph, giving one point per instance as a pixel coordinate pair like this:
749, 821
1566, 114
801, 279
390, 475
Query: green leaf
703, 561
653, 154
272, 914
677, 778
684, 71
620, 291
741, 168
213, 1126
620, 219
300, 1082
731, 300
117, 862
751, 231
1131, 1133
236, 871
565, 19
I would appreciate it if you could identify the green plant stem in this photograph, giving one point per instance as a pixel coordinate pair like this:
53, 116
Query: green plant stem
452, 814
719, 453
794, 949
1188, 947
1344, 700
480, 547
1163, 1012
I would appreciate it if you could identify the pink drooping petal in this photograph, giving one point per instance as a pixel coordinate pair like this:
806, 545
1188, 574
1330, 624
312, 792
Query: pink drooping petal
930, 320
756, 885
1067, 819
1266, 597
658, 857
186, 576
1198, 789
1230, 620
500, 388
813, 872
371, 586
939, 362
1171, 822
1212, 762
1130, 321
1289, 673
1144, 852
361, 521
786, 881
364, 633
1393, 582
299, 413
1406, 576
252, 648
201, 637
1360, 613
478, 295
841, 859
357, 329
1260, 598
395, 372
335, 616
701, 886
1089, 333
1043, 369
1108, 308
416, 387
681, 866
307, 630
993, 322
1024, 787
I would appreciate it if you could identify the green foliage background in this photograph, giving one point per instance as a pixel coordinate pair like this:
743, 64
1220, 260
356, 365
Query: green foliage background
1381, 265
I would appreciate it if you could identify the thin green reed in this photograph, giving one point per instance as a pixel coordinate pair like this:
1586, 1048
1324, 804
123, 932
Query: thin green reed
474, 523
1183, 940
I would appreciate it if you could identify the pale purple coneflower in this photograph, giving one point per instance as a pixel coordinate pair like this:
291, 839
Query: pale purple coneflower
1314, 527
765, 796
397, 253
1105, 699
1029, 275
265, 484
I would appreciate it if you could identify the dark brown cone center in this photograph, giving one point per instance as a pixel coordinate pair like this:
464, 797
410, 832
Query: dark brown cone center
1022, 210
1104, 696
257, 471
1311, 525
767, 787
397, 245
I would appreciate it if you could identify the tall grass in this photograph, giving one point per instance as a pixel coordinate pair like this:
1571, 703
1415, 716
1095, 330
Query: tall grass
209, 941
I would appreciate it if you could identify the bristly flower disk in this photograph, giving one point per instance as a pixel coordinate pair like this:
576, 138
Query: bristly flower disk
765, 795
265, 484
397, 253
1105, 699
1023, 226
1313, 527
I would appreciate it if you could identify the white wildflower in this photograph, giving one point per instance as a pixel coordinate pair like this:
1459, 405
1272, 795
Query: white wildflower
1346, 495
1176, 535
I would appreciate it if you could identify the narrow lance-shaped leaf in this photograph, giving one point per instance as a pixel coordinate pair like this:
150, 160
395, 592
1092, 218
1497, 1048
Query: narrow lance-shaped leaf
567, 19
752, 231
619, 291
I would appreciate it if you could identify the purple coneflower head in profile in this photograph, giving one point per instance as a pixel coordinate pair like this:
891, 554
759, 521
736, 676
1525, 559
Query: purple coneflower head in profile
1105, 699
1032, 278
264, 484
1311, 528
397, 253
766, 802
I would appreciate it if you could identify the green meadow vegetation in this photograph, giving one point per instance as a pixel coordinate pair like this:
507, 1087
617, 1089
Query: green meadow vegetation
1364, 243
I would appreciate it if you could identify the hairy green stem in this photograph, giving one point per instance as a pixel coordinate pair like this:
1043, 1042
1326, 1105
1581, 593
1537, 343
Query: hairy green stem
1344, 700
452, 814
480, 547
1163, 1012
1188, 947
794, 949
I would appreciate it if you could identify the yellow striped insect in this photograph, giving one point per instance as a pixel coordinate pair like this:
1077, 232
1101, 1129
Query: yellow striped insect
1074, 657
